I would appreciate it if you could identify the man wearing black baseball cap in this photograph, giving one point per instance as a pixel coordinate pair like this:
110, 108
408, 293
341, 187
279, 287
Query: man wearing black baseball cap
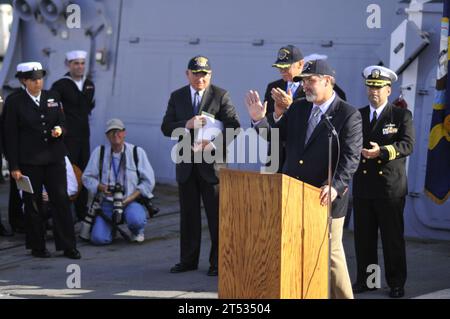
280, 94
198, 180
305, 133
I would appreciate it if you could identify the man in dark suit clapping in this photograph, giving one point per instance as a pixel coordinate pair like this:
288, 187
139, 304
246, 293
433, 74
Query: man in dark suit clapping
281, 93
198, 179
303, 129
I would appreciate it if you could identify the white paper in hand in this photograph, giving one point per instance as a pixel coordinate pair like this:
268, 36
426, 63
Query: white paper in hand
210, 130
24, 184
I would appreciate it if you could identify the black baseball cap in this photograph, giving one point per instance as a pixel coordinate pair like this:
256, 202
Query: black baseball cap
315, 67
287, 55
199, 64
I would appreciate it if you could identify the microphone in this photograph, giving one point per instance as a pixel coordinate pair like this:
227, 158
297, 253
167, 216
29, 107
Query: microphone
330, 126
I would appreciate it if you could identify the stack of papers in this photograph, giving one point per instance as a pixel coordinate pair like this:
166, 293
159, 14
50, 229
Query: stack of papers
24, 184
210, 130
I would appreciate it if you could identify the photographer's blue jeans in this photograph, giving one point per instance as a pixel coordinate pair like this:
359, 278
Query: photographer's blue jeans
135, 218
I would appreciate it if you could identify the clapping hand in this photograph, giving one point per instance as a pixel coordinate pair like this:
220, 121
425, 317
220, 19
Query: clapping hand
282, 100
374, 152
57, 131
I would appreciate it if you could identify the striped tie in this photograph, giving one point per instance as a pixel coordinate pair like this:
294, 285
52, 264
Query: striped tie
314, 119
292, 87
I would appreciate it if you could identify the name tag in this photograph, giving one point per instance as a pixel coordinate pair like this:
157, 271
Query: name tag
52, 103
389, 129
89, 87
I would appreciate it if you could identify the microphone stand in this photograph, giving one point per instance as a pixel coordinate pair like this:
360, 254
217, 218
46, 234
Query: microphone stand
331, 132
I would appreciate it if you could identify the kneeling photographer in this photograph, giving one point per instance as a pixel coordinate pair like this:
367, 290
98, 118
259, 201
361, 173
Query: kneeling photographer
117, 177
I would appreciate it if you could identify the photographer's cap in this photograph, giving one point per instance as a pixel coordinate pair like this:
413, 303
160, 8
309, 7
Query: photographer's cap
114, 124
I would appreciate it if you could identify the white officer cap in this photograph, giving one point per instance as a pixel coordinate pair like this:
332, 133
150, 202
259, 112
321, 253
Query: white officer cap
30, 70
114, 124
379, 76
29, 66
315, 56
75, 55
20, 69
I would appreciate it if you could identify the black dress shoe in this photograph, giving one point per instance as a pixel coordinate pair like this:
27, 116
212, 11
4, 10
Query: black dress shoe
4, 232
72, 253
40, 253
212, 271
360, 288
397, 292
182, 268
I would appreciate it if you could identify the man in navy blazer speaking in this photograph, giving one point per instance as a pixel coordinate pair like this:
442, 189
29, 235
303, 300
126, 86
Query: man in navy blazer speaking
304, 131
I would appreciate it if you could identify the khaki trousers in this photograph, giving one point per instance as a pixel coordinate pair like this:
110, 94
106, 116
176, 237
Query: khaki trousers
341, 286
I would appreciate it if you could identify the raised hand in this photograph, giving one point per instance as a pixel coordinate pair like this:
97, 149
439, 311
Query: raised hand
255, 108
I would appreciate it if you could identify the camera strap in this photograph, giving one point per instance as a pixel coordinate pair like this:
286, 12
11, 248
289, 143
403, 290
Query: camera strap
100, 163
136, 161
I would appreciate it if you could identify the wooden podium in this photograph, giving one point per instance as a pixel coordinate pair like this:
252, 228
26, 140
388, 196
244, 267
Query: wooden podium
273, 237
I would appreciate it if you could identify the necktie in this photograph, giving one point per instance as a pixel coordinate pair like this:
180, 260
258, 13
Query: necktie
196, 104
374, 119
314, 119
292, 87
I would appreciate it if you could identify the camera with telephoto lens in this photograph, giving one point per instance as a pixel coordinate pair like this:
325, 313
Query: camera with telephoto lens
147, 203
88, 221
118, 197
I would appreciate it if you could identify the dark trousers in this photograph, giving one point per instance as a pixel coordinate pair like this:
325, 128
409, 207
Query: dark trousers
16, 215
190, 217
53, 177
385, 214
79, 152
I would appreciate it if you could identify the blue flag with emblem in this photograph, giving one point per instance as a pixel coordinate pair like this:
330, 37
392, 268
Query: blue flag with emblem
437, 180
